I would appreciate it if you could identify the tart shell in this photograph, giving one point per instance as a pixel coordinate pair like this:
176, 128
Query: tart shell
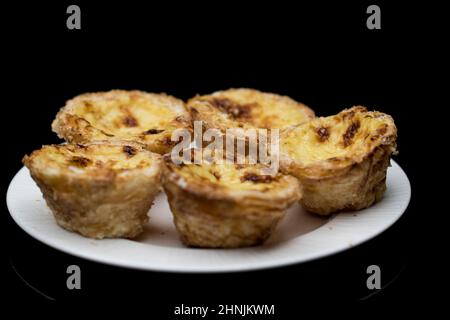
97, 201
352, 174
118, 115
209, 216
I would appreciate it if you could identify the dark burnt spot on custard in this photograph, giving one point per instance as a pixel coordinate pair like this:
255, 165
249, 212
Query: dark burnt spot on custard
216, 175
181, 119
78, 161
255, 178
130, 121
88, 106
129, 151
167, 158
323, 134
232, 108
153, 131
350, 133
382, 129
193, 111
348, 115
380, 132
167, 141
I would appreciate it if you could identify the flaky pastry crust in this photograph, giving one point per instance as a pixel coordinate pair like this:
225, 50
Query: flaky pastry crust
226, 205
247, 108
341, 160
138, 116
101, 189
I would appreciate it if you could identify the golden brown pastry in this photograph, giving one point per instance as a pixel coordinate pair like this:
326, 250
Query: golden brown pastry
341, 160
137, 116
226, 205
247, 108
100, 189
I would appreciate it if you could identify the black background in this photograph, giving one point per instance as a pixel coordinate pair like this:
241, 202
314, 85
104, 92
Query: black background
322, 55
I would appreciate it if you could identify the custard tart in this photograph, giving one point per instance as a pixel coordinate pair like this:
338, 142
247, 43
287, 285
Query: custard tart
226, 205
101, 189
138, 116
341, 160
247, 108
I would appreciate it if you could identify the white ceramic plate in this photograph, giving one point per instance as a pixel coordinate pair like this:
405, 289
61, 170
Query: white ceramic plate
300, 237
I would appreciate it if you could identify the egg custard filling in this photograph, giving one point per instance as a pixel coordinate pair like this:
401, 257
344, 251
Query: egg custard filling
247, 108
122, 115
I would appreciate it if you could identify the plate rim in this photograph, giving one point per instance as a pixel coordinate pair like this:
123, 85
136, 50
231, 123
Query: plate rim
238, 267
